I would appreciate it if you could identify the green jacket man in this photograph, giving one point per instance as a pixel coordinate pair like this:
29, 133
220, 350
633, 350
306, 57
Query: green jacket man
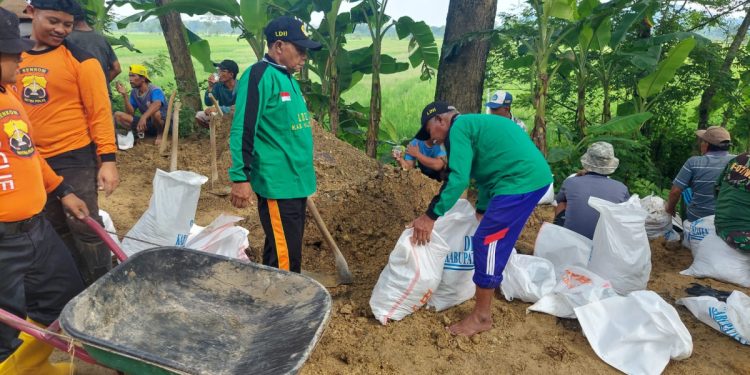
271, 143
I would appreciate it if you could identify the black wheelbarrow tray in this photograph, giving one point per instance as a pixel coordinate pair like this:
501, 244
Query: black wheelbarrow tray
180, 311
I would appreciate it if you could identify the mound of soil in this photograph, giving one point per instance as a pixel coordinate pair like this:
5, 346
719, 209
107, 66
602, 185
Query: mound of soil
366, 206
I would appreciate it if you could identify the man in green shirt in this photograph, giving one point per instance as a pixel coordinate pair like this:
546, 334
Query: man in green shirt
733, 203
511, 175
271, 143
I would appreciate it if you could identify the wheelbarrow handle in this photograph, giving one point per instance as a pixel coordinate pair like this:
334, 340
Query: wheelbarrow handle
44, 335
104, 236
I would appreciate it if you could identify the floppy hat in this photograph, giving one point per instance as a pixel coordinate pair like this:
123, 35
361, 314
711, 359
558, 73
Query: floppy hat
715, 135
10, 36
600, 158
500, 99
292, 30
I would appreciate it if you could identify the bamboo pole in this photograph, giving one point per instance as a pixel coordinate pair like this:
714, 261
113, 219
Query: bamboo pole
175, 136
167, 125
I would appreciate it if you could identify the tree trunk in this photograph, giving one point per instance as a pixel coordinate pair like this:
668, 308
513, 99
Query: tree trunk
182, 63
581, 109
704, 109
539, 134
375, 105
460, 79
607, 104
333, 93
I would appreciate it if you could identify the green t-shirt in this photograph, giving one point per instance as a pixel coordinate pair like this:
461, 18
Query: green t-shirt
733, 196
497, 154
271, 138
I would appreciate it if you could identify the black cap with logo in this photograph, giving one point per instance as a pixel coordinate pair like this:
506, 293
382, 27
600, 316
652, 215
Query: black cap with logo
10, 36
292, 30
431, 110
229, 65
71, 7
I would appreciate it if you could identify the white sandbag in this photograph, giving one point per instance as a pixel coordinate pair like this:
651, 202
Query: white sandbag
409, 279
563, 247
125, 142
456, 227
527, 278
696, 231
713, 258
621, 251
658, 221
221, 237
549, 196
170, 213
636, 334
577, 287
731, 318
109, 226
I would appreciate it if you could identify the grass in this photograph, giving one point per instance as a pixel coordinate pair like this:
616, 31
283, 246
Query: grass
403, 94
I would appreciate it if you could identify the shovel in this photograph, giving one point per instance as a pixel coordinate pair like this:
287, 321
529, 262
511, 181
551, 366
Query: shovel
342, 268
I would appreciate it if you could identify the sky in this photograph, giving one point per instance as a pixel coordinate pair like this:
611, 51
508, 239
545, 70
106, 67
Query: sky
433, 12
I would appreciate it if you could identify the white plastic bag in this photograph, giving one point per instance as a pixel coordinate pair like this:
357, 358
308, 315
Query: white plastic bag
170, 213
409, 279
549, 196
527, 278
109, 226
731, 318
696, 231
563, 247
125, 142
621, 251
221, 237
578, 287
658, 221
636, 334
713, 258
456, 227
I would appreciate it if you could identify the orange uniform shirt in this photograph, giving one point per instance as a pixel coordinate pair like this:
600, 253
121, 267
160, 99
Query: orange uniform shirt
25, 178
64, 91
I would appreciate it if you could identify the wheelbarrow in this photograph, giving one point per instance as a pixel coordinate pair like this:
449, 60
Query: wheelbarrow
173, 310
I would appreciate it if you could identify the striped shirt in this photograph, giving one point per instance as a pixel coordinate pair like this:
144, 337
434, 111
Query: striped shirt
700, 173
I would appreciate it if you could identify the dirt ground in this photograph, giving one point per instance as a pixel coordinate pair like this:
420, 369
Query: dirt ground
366, 206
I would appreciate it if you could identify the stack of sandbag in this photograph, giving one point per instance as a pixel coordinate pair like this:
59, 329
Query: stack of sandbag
658, 221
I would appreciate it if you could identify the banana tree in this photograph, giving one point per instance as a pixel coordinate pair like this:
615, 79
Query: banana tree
652, 86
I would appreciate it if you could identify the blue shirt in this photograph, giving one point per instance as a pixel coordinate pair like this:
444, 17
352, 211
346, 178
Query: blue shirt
142, 102
223, 95
700, 173
436, 151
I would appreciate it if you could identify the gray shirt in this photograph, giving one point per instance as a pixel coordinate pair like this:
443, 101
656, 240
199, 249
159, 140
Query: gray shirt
576, 190
700, 174
95, 44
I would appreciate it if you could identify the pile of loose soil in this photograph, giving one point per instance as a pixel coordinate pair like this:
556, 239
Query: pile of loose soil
366, 206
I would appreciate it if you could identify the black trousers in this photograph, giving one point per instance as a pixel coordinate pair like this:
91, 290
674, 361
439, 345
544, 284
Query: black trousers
283, 222
37, 278
91, 256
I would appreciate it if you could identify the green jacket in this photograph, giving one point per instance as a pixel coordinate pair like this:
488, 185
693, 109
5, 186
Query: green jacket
497, 154
271, 138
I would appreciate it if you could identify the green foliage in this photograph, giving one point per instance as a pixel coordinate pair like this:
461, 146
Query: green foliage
654, 83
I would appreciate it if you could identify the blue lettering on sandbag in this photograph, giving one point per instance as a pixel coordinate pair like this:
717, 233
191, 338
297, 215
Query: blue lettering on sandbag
461, 260
721, 318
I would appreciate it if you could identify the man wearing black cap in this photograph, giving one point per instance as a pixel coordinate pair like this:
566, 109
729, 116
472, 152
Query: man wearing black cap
271, 143
37, 273
64, 91
223, 86
511, 176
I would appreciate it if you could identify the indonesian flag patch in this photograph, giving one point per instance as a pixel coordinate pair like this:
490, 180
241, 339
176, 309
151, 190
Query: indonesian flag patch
285, 97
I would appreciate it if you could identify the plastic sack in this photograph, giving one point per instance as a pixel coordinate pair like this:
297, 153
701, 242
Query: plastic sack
109, 226
527, 278
621, 251
713, 258
549, 196
125, 142
221, 237
636, 334
409, 279
696, 231
563, 247
731, 318
578, 287
658, 221
170, 213
456, 227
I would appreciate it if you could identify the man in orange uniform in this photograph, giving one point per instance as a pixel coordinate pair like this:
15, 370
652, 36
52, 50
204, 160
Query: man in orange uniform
64, 91
37, 273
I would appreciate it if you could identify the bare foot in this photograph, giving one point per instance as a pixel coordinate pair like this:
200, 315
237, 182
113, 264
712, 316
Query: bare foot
158, 140
472, 324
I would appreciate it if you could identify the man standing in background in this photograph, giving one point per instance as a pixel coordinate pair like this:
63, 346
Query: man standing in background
96, 44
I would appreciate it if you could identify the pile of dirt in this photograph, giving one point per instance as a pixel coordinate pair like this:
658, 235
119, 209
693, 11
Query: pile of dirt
366, 206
